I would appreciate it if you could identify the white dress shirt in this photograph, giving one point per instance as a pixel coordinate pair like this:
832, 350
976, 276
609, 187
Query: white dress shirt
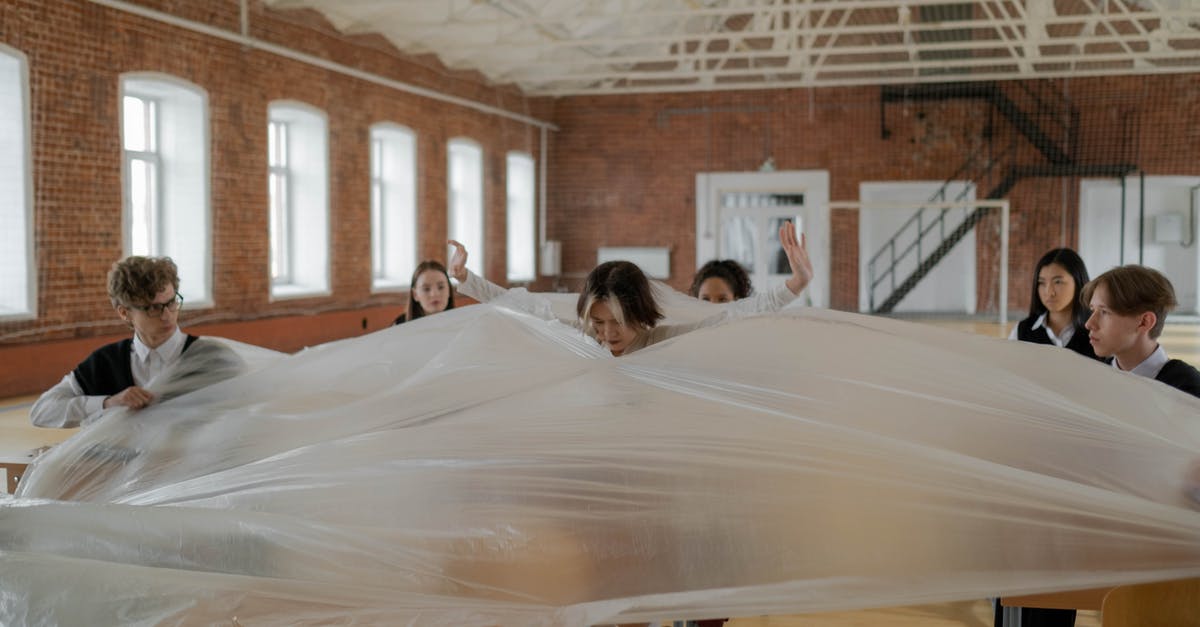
1060, 341
65, 405
1150, 366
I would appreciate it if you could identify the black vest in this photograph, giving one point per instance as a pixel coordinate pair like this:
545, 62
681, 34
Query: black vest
1079, 342
109, 370
1181, 375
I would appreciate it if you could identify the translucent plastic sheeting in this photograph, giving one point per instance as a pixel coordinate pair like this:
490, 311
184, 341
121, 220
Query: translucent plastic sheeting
487, 466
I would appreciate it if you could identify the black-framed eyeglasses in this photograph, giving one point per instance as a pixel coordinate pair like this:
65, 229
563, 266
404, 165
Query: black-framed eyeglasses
157, 309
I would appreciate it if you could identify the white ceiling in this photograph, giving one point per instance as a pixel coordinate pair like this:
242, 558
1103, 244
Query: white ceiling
567, 47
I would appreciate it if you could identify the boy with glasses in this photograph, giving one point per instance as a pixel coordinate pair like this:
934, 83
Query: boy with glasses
144, 293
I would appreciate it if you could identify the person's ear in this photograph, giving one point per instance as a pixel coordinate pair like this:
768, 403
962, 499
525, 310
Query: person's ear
1146, 322
123, 311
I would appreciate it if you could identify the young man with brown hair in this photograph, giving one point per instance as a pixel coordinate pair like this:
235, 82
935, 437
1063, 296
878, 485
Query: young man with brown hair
1129, 308
144, 293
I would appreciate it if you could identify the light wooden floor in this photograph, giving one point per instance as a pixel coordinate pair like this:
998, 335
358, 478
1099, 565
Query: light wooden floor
1181, 341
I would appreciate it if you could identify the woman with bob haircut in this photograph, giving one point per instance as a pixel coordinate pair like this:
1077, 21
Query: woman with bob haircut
617, 307
721, 281
429, 292
1056, 313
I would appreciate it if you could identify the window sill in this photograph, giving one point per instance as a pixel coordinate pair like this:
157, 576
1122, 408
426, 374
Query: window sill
292, 292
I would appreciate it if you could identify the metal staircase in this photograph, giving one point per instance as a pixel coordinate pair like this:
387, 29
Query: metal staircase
1041, 116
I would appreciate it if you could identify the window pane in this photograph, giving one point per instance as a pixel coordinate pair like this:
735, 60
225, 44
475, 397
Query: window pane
778, 263
151, 130
466, 200
17, 279
521, 252
141, 207
378, 251
737, 240
393, 205
280, 263
135, 123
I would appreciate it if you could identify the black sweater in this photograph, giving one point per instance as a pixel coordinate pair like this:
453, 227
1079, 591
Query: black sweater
108, 370
1181, 375
1079, 341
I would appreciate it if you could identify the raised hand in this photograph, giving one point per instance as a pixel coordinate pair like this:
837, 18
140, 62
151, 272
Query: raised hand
797, 254
458, 261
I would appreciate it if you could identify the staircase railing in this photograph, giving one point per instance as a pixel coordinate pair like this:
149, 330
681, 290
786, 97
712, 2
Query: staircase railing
976, 168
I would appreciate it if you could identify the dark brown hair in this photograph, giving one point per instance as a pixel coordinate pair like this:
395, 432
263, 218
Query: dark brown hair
1134, 290
135, 280
625, 289
414, 308
727, 270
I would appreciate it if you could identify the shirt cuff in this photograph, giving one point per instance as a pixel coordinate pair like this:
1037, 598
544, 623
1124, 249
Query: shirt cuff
94, 404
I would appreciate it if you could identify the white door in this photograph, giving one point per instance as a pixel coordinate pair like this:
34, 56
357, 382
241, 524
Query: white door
950, 286
738, 215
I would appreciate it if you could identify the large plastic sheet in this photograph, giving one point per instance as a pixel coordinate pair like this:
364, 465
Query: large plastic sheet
492, 466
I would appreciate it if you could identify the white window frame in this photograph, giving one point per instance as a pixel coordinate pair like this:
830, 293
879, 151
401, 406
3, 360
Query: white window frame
814, 215
393, 206
521, 187
18, 301
465, 201
177, 147
304, 222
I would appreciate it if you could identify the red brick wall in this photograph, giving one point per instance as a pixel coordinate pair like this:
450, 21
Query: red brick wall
76, 53
622, 168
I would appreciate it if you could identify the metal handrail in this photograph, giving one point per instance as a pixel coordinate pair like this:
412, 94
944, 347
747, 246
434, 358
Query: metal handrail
922, 229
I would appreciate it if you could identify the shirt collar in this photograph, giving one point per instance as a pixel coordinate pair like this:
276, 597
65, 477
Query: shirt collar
1150, 366
168, 350
1068, 331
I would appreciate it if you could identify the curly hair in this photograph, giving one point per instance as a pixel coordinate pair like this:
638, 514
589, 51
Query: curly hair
727, 270
136, 280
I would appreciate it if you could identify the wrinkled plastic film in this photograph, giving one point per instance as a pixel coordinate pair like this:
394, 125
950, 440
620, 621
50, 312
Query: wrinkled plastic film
491, 465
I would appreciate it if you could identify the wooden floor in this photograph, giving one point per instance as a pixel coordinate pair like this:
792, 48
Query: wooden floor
1182, 341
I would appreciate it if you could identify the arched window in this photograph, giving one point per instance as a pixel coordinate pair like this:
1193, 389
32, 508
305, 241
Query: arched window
298, 157
164, 136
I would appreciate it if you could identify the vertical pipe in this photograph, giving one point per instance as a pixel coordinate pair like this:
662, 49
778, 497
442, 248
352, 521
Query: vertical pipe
1121, 261
244, 11
1004, 265
542, 192
1141, 214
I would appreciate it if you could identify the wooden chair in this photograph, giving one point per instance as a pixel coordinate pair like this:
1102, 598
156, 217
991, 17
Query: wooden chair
1160, 604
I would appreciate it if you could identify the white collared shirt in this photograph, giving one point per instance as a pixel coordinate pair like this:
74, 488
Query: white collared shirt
1150, 366
1060, 341
148, 363
65, 405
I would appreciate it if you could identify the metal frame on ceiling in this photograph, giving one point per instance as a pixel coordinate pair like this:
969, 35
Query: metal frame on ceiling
568, 47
